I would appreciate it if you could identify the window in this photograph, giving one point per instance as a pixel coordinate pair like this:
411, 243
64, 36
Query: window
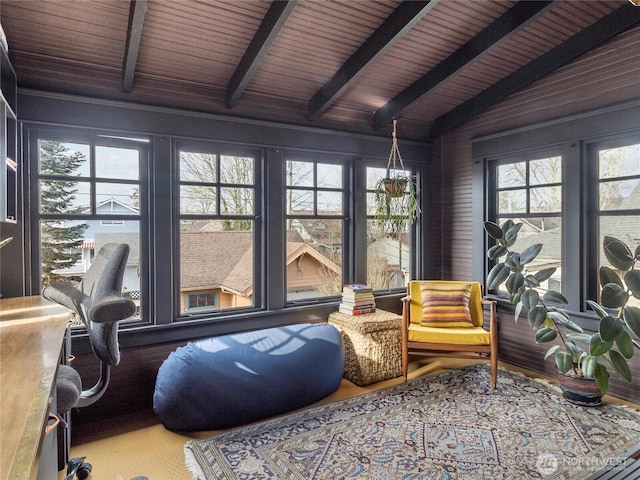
388, 253
583, 184
200, 300
87, 186
617, 211
530, 192
223, 236
315, 216
217, 217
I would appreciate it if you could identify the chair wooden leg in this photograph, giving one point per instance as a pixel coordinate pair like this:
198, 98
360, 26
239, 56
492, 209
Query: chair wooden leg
405, 363
494, 368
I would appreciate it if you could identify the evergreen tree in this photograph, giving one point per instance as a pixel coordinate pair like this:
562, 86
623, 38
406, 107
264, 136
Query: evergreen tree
56, 196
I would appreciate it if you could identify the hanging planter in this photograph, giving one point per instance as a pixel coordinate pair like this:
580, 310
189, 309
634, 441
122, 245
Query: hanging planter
395, 195
395, 187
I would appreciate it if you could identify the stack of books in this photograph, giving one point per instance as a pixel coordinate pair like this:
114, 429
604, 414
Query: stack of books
357, 299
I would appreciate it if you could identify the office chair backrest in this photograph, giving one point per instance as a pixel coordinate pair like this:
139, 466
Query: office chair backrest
98, 301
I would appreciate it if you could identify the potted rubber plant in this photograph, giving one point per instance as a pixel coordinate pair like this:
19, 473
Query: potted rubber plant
582, 359
395, 195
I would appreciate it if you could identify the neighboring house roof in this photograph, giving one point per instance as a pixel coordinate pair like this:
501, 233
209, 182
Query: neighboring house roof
296, 250
326, 231
199, 268
233, 270
112, 203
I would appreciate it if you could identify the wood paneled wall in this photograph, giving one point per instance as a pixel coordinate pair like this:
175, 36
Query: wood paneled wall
606, 76
603, 77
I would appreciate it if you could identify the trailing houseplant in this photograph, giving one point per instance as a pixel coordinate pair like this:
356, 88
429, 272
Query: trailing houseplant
578, 354
396, 205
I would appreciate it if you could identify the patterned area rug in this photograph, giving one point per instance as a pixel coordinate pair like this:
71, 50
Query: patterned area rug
448, 426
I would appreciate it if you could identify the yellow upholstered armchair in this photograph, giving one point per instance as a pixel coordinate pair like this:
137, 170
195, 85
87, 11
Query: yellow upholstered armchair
445, 319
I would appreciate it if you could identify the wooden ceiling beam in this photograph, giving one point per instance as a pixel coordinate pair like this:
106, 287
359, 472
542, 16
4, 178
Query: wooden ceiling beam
608, 27
501, 29
137, 10
264, 37
392, 29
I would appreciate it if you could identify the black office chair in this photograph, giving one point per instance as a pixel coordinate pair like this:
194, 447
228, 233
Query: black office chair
97, 301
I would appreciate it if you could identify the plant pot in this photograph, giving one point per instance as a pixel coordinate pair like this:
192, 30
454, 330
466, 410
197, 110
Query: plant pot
395, 187
579, 390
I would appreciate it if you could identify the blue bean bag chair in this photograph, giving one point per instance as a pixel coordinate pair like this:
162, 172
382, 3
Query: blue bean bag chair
231, 380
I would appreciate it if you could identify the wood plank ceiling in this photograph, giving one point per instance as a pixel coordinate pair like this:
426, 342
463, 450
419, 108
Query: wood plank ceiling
340, 64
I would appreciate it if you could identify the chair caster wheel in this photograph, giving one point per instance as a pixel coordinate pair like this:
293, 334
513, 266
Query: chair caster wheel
78, 468
84, 471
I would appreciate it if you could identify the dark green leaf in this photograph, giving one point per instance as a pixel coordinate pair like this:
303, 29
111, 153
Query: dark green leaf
602, 379
530, 253
631, 317
632, 279
589, 365
498, 274
536, 317
620, 364
558, 317
493, 230
506, 225
554, 297
597, 346
608, 275
515, 298
515, 282
531, 281
637, 253
597, 308
613, 296
517, 311
530, 299
625, 344
574, 327
545, 273
511, 234
574, 350
513, 261
496, 251
564, 361
579, 337
545, 335
551, 351
617, 253
609, 328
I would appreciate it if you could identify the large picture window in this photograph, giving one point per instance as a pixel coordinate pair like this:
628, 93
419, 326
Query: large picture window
617, 184
89, 190
315, 216
222, 236
388, 252
569, 194
217, 214
529, 191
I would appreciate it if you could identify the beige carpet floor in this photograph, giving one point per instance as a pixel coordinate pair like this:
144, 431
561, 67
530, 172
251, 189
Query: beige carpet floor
138, 445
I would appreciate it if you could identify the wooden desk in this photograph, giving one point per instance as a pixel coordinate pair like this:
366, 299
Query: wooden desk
31, 336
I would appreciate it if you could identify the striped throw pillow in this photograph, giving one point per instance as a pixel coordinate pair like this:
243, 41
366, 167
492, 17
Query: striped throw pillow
446, 305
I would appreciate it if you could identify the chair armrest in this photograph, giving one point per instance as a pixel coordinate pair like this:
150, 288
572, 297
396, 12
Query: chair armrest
111, 309
493, 317
67, 295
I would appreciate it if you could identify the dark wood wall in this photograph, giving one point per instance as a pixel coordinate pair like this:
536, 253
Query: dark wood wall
605, 77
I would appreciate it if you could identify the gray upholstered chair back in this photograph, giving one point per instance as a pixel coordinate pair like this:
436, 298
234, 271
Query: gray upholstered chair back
98, 301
